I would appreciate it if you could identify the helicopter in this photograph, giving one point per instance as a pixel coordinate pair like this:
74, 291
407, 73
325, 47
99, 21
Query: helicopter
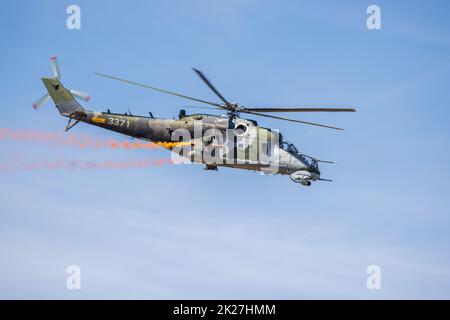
225, 140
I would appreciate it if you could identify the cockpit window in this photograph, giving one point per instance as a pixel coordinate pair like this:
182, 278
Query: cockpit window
289, 147
293, 149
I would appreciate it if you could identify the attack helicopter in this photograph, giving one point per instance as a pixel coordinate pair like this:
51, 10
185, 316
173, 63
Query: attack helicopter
225, 140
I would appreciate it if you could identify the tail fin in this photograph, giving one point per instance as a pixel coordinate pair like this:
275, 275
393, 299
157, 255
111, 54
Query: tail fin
63, 99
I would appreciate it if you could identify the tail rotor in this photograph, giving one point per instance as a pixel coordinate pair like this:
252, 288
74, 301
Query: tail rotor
57, 75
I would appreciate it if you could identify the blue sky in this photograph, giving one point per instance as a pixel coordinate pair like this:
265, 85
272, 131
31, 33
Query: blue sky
181, 232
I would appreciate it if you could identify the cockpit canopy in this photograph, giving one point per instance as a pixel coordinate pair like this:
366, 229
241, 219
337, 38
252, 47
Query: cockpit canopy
289, 147
292, 150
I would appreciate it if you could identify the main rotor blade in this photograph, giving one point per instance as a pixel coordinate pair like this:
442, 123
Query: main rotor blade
301, 109
55, 67
292, 120
157, 89
209, 84
208, 108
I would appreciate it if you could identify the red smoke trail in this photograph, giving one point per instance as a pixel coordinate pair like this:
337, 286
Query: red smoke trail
82, 165
70, 139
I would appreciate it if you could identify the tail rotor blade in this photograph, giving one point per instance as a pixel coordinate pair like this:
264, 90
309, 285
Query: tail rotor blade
81, 95
41, 101
55, 67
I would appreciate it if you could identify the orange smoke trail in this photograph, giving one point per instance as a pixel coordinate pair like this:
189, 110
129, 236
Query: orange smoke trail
76, 140
82, 165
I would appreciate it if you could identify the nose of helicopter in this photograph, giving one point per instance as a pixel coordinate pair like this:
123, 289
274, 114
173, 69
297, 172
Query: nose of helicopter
315, 172
315, 175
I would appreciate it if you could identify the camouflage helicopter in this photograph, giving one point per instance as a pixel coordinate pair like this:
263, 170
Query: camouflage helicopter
273, 155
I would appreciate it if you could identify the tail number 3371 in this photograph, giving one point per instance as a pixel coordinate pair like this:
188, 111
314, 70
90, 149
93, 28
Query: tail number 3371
119, 122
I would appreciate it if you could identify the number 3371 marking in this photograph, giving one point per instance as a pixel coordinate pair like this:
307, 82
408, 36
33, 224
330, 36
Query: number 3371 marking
119, 122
